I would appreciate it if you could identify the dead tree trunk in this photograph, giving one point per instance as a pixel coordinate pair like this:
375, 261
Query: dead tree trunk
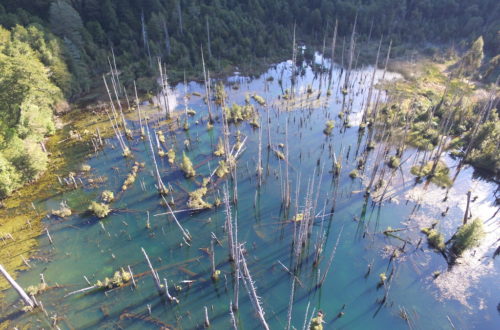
18, 288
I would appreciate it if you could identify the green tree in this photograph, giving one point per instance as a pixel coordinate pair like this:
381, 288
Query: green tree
472, 59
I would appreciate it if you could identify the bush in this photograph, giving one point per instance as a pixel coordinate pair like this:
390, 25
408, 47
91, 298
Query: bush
100, 210
107, 196
329, 127
435, 238
468, 236
394, 162
187, 166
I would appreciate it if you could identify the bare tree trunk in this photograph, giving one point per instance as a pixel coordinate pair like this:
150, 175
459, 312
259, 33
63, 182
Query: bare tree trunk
18, 288
207, 87
466, 214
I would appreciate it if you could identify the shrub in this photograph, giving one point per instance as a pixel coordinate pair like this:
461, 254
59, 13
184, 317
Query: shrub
468, 236
187, 166
100, 210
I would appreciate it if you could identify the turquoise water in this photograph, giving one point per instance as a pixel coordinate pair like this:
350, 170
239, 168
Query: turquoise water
83, 247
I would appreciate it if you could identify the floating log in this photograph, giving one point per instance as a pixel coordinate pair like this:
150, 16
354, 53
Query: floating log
18, 288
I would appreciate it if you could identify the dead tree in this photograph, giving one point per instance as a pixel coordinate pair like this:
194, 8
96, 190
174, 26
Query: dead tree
252, 291
28, 301
207, 87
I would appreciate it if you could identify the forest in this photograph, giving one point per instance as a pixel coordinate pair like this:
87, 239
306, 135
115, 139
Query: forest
227, 163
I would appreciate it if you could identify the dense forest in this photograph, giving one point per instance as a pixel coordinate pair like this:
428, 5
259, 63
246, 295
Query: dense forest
237, 32
51, 51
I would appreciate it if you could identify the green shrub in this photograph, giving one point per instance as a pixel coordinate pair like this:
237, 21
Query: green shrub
100, 210
468, 236
187, 166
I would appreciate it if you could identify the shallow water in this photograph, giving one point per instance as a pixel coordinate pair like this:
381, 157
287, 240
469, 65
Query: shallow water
82, 247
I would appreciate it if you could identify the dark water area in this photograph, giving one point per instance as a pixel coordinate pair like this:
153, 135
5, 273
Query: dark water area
86, 246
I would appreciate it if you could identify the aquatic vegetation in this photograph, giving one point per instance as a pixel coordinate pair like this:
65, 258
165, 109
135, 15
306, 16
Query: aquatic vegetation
219, 151
131, 176
329, 127
354, 174
317, 322
237, 113
126, 152
34, 290
107, 196
439, 176
63, 211
259, 99
467, 236
382, 278
119, 278
191, 112
435, 238
394, 162
222, 169
187, 166
279, 154
100, 210
220, 93
196, 199
171, 156
215, 275
85, 168
161, 137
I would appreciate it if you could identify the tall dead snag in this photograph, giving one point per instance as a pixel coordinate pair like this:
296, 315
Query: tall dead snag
290, 305
294, 62
252, 291
370, 90
186, 235
332, 255
229, 226
334, 42
18, 288
164, 91
377, 100
139, 111
162, 189
114, 122
156, 278
116, 74
351, 55
207, 87
286, 198
259, 160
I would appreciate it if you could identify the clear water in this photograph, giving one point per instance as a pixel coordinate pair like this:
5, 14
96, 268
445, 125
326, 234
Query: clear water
81, 246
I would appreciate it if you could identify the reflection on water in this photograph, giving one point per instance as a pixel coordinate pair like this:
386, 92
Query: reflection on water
85, 247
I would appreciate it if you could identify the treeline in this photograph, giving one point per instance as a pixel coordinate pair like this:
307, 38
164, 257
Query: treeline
33, 78
235, 31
